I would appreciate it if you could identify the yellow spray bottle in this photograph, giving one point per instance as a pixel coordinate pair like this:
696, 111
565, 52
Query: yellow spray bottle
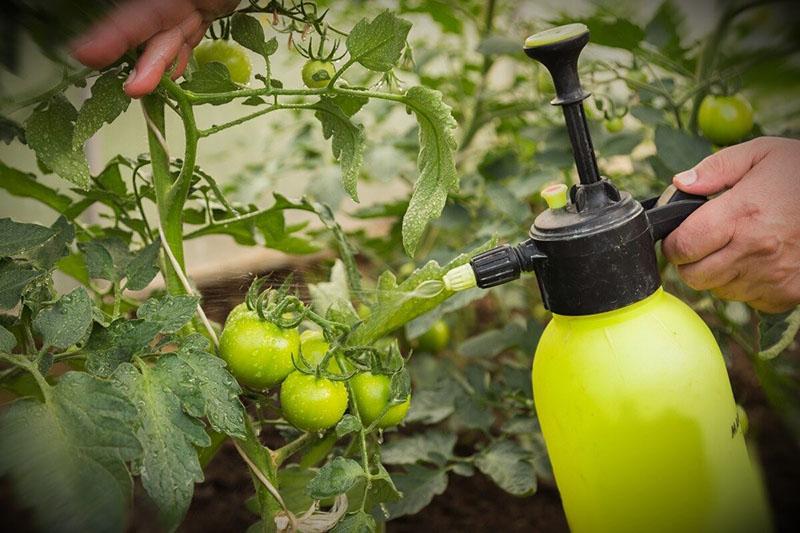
629, 384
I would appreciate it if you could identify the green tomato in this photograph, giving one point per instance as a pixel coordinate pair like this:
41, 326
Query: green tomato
311, 403
544, 82
435, 339
614, 125
372, 393
317, 74
233, 56
259, 353
314, 347
725, 120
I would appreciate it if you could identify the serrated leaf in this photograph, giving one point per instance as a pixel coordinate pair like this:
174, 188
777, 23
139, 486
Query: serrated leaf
67, 322
347, 141
24, 185
248, 32
106, 258
66, 457
377, 45
210, 78
348, 424
17, 237
169, 466
359, 522
777, 332
107, 102
143, 267
49, 131
430, 446
419, 485
205, 387
333, 294
509, 465
107, 348
14, 277
7, 340
56, 248
678, 150
436, 163
336, 477
169, 312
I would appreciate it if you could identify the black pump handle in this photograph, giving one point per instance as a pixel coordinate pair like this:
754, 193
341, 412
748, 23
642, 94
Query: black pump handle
666, 212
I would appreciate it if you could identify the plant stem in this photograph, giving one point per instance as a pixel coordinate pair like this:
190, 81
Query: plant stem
281, 454
236, 122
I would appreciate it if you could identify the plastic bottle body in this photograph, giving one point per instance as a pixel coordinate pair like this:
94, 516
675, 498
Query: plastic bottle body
641, 425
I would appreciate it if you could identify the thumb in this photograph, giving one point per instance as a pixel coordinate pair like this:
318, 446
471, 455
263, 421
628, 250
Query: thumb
722, 169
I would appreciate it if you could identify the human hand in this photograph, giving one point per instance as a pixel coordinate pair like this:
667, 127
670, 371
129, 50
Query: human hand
170, 29
744, 244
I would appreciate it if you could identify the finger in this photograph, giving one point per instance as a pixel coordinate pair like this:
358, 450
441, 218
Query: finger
723, 169
158, 56
739, 290
716, 270
770, 306
702, 233
126, 27
180, 63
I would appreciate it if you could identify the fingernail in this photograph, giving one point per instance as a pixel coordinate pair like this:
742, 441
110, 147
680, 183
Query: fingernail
687, 177
131, 78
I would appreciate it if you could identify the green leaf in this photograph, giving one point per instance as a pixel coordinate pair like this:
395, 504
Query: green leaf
16, 237
106, 258
665, 30
107, 348
377, 45
399, 304
169, 312
441, 12
608, 30
436, 163
210, 78
777, 332
509, 465
678, 150
418, 485
169, 465
292, 480
143, 267
49, 131
495, 45
66, 457
7, 340
107, 102
14, 277
205, 387
52, 251
334, 294
248, 32
336, 477
359, 522
67, 322
347, 141
24, 185
348, 424
433, 446
490, 343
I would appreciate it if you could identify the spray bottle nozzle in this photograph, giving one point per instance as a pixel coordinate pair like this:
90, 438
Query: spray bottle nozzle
494, 267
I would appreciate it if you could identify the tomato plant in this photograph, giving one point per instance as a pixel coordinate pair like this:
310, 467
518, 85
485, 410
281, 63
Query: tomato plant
118, 376
725, 120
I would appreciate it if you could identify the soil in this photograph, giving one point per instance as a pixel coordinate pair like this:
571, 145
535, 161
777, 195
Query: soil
468, 504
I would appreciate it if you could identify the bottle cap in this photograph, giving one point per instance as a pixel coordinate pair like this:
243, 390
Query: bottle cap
460, 278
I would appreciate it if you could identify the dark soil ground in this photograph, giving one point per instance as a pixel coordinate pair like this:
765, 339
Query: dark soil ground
468, 504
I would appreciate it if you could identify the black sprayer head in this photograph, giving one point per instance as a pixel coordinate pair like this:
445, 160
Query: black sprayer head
593, 249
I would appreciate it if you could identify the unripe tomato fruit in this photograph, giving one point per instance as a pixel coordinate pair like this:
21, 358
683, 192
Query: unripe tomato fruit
317, 74
372, 393
725, 120
435, 339
311, 403
259, 353
314, 347
229, 54
614, 125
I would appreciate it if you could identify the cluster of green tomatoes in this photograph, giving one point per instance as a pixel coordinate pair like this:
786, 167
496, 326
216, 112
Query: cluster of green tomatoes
265, 350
